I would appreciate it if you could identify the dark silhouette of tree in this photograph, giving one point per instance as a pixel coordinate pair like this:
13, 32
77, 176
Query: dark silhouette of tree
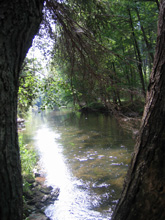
144, 190
19, 22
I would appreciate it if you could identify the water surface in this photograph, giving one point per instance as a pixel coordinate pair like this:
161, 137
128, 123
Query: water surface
86, 156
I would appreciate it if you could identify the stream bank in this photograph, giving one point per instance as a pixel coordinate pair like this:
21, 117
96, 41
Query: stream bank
38, 197
128, 114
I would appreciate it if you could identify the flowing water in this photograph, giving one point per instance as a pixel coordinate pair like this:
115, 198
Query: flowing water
86, 156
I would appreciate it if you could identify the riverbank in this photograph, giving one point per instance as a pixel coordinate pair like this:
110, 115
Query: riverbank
128, 114
37, 198
131, 125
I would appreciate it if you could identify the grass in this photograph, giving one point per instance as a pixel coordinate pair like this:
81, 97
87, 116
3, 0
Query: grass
29, 159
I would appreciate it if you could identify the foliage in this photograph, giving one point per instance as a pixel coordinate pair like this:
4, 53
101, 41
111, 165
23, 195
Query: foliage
102, 52
29, 85
104, 48
44, 90
28, 158
56, 91
28, 162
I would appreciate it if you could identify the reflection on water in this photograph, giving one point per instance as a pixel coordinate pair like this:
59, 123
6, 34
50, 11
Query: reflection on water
87, 157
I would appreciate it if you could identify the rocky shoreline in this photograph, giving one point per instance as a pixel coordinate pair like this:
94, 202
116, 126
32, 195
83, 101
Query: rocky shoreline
37, 198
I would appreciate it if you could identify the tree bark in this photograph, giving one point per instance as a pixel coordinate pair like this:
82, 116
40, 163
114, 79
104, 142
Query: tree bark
19, 22
143, 196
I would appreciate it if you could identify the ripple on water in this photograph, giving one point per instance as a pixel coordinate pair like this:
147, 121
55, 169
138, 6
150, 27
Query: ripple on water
88, 160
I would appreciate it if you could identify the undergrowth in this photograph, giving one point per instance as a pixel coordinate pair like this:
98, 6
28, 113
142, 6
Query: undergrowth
28, 162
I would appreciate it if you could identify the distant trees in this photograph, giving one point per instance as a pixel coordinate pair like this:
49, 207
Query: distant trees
105, 48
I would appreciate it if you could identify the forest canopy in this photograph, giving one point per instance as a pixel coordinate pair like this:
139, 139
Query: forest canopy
101, 52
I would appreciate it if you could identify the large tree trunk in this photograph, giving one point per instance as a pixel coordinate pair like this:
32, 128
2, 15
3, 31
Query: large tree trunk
19, 22
143, 196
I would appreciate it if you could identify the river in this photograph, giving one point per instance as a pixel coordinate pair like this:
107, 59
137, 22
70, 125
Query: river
86, 156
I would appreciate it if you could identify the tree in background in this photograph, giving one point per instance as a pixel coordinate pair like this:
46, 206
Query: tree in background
106, 47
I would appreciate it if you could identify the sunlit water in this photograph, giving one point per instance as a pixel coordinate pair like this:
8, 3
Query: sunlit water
86, 156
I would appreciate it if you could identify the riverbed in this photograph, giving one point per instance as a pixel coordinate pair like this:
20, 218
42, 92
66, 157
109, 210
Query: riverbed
86, 156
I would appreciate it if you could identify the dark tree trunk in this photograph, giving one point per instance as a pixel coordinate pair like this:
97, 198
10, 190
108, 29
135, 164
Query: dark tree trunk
19, 22
143, 196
